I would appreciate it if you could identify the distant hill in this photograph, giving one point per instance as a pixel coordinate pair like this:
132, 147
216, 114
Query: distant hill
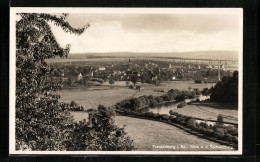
223, 55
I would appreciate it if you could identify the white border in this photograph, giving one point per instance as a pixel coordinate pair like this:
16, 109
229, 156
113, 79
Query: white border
12, 76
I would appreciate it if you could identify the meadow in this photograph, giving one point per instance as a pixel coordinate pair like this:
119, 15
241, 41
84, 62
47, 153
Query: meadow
146, 133
210, 111
108, 95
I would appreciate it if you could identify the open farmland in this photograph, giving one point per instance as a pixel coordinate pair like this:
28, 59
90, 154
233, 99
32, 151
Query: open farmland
210, 111
157, 133
92, 97
108, 95
146, 133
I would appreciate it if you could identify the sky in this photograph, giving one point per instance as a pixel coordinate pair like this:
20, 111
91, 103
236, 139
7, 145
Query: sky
156, 33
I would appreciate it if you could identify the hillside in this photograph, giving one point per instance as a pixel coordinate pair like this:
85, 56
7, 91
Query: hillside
225, 55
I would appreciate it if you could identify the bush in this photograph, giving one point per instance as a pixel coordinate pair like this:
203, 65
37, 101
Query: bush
228, 137
164, 117
79, 108
138, 87
191, 123
197, 91
149, 114
171, 112
156, 116
220, 120
192, 94
232, 130
73, 104
175, 113
111, 81
90, 110
198, 81
159, 99
204, 124
172, 117
153, 103
219, 133
235, 139
209, 132
131, 87
180, 97
181, 105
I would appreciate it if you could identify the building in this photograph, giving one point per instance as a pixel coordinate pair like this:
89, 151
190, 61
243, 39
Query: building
101, 68
79, 76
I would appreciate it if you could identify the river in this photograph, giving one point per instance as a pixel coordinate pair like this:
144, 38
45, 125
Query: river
165, 108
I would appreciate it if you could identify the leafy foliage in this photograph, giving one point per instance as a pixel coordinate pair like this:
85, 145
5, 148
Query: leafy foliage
226, 90
42, 122
99, 133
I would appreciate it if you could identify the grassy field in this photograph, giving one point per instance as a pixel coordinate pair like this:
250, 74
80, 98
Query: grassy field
108, 95
210, 111
92, 97
147, 133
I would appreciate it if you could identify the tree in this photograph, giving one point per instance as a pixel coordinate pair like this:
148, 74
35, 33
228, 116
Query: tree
111, 81
99, 133
134, 79
205, 92
189, 88
226, 90
103, 75
42, 122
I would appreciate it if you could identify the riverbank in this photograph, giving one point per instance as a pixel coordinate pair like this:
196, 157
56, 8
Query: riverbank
210, 111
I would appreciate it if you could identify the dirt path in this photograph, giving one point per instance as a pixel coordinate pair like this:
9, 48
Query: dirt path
148, 134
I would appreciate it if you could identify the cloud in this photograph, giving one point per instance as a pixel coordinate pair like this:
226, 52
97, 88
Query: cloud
151, 33
194, 22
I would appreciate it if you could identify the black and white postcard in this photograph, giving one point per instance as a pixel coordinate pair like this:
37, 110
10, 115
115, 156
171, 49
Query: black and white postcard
131, 81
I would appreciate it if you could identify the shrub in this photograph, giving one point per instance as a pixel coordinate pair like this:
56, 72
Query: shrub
153, 103
172, 117
165, 117
219, 133
209, 132
197, 81
91, 109
234, 139
197, 91
220, 120
228, 137
174, 113
191, 123
156, 116
181, 105
171, 112
180, 97
191, 94
204, 124
111, 81
73, 104
232, 130
100, 81
131, 87
128, 112
159, 99
138, 87
149, 114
